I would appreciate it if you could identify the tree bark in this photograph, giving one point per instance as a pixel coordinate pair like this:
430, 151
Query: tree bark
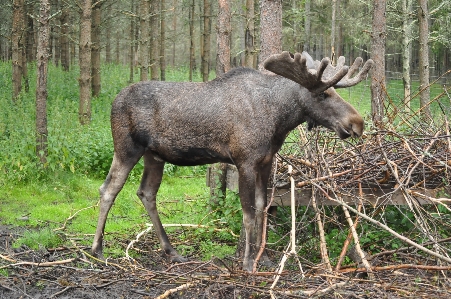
307, 25
108, 26
84, 110
174, 29
378, 56
95, 49
223, 38
218, 172
406, 50
154, 20
249, 58
64, 41
192, 59
143, 40
41, 81
162, 41
270, 29
206, 41
132, 41
423, 28
333, 32
17, 46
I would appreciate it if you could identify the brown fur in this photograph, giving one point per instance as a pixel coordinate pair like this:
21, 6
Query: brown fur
241, 118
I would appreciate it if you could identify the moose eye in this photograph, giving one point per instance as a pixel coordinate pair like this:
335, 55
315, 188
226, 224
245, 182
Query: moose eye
322, 96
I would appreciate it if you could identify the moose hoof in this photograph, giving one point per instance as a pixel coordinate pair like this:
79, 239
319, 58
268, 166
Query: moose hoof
177, 259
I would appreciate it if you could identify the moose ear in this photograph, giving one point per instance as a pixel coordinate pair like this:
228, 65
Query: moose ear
310, 63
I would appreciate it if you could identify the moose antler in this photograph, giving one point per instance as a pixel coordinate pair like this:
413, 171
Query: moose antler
316, 76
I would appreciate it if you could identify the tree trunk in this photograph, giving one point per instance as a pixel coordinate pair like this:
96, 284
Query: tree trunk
64, 41
270, 29
192, 59
307, 26
206, 41
95, 48
223, 38
84, 111
406, 50
249, 57
108, 26
55, 37
143, 41
17, 45
132, 41
154, 20
378, 56
219, 171
423, 28
333, 32
174, 30
41, 81
162, 42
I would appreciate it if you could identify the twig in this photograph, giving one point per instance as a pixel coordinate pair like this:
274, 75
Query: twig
44, 264
62, 291
363, 259
293, 237
73, 216
397, 267
174, 290
388, 229
320, 179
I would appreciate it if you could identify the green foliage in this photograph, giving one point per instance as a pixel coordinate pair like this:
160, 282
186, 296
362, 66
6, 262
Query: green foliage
71, 147
35, 239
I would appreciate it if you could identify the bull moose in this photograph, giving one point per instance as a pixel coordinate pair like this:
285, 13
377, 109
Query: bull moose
241, 118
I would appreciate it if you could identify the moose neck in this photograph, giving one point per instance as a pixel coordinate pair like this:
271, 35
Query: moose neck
293, 104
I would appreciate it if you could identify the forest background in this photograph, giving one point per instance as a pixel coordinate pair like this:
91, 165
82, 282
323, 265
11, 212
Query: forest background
94, 49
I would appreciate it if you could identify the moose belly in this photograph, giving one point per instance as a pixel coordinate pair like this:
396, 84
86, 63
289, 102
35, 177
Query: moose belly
190, 156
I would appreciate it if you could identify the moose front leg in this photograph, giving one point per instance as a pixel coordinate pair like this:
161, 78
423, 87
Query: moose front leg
252, 185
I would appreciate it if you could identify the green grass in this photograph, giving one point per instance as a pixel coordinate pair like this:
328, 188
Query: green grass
42, 199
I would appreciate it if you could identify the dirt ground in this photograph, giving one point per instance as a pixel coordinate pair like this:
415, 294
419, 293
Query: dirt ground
70, 273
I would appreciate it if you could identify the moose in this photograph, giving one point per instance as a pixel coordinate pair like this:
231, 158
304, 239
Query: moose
240, 118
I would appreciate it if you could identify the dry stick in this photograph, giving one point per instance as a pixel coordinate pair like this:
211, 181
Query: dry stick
322, 242
44, 264
447, 123
319, 292
174, 290
388, 229
402, 183
397, 267
323, 178
7, 258
293, 236
363, 259
348, 239
105, 262
150, 226
73, 216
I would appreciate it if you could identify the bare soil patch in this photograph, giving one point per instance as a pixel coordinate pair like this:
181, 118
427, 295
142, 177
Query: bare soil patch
70, 273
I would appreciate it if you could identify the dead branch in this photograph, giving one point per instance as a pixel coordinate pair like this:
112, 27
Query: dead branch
397, 267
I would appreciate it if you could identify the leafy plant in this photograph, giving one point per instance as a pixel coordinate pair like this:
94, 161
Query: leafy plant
35, 239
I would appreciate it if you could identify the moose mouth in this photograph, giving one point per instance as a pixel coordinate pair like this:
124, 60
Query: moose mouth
344, 132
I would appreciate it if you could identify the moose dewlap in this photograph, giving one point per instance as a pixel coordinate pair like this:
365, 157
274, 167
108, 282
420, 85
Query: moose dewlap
241, 118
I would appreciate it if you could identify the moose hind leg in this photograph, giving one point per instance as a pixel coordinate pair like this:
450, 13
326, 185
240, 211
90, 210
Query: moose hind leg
115, 180
147, 192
